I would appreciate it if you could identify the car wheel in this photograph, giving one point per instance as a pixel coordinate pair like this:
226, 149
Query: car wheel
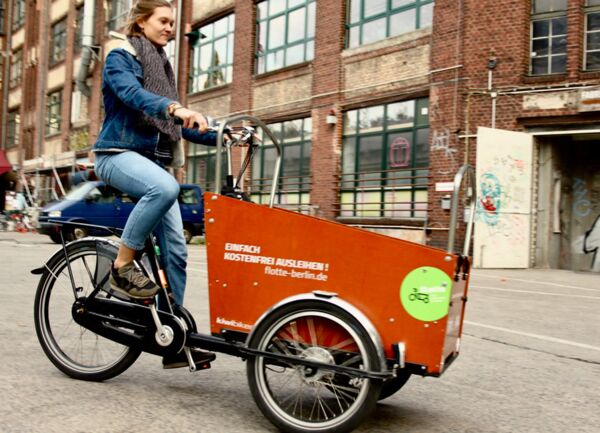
187, 234
55, 238
79, 233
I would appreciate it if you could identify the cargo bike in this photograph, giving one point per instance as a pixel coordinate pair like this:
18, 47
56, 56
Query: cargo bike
329, 318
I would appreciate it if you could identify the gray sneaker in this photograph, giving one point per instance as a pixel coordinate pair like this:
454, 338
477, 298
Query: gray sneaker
131, 281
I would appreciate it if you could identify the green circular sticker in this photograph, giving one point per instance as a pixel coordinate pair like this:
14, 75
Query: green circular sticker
425, 293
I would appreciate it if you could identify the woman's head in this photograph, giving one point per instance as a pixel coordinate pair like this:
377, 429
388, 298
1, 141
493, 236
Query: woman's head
153, 19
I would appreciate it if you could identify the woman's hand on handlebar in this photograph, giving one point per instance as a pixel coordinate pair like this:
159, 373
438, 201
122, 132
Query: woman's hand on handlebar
190, 119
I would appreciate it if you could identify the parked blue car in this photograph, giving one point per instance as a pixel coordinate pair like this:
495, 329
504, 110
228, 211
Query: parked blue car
99, 204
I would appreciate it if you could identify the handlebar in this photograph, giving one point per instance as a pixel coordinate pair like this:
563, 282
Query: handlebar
247, 137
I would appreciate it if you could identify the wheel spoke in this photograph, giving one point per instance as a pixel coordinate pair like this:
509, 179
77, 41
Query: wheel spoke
74, 349
306, 397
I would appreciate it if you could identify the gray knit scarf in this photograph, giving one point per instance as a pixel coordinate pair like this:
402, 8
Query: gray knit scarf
160, 80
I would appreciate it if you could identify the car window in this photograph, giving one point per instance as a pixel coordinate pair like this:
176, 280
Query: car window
126, 199
188, 196
102, 195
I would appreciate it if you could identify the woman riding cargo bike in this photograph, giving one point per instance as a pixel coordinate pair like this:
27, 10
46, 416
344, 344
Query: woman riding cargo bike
325, 329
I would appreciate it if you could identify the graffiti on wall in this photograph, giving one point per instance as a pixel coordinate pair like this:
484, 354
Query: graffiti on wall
490, 199
440, 141
582, 206
591, 243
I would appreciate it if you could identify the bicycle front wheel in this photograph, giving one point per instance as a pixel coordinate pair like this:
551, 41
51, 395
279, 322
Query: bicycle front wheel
298, 398
73, 349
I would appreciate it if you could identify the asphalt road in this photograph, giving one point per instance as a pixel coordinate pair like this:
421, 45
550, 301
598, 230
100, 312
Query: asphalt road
530, 362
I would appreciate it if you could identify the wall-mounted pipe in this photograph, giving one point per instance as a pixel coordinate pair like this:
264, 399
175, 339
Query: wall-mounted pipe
88, 48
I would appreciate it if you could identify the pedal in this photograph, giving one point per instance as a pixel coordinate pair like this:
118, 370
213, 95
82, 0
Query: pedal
193, 366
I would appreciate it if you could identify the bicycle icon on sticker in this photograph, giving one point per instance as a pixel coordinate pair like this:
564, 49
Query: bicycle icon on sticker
416, 296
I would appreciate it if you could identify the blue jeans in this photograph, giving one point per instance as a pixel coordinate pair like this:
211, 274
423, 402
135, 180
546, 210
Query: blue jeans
157, 210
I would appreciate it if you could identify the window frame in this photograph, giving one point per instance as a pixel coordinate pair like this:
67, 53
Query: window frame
547, 16
390, 11
307, 42
2, 16
118, 12
78, 36
16, 68
390, 179
293, 191
54, 104
13, 129
589, 10
58, 42
18, 14
195, 78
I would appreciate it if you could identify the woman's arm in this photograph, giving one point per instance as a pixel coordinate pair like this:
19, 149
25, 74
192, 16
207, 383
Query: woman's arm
119, 75
208, 138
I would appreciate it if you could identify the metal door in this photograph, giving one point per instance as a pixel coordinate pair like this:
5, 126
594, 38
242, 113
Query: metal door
504, 191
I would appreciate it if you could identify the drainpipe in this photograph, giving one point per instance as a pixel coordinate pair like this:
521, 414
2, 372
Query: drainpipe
43, 9
7, 54
88, 48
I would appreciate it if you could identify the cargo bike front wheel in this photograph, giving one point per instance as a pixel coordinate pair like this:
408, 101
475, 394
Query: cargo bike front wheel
298, 397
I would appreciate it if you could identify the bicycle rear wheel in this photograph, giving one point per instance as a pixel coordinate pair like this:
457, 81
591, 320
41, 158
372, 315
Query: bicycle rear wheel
73, 349
299, 398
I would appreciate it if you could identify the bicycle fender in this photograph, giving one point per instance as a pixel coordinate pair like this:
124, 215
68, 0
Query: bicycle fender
328, 298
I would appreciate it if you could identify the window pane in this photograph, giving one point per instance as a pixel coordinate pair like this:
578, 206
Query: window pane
593, 61
292, 130
354, 37
370, 160
403, 22
539, 65
310, 25
275, 60
426, 17
559, 45
348, 155
593, 2
371, 119
276, 32
593, 21
350, 125
559, 26
541, 6
307, 128
540, 47
374, 31
354, 10
374, 7
296, 25
294, 54
276, 6
593, 41
559, 64
422, 148
398, 3
541, 28
401, 114
400, 150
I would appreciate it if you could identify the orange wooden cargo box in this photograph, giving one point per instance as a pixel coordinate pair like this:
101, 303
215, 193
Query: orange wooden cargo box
414, 295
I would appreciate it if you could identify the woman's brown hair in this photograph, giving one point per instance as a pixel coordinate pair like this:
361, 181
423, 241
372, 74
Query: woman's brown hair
143, 9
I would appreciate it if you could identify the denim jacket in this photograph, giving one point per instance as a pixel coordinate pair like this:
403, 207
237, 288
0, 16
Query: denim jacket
125, 103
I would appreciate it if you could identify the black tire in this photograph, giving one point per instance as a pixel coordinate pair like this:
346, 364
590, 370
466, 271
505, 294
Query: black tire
65, 343
392, 386
325, 333
55, 237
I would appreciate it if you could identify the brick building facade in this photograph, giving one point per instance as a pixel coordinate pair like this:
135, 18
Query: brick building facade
378, 104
